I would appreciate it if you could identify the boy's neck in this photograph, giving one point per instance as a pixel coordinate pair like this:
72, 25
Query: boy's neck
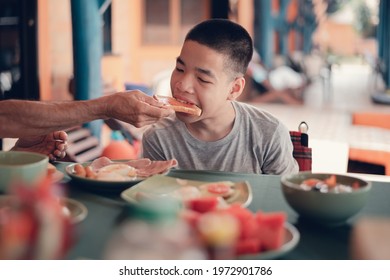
213, 129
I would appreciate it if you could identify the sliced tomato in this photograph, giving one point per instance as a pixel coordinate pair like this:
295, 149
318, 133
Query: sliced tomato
311, 182
202, 204
355, 185
331, 181
218, 188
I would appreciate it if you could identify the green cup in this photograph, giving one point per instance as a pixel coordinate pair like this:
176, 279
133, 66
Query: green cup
23, 167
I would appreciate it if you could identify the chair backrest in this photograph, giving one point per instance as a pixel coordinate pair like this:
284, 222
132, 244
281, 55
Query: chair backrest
116, 125
301, 152
82, 145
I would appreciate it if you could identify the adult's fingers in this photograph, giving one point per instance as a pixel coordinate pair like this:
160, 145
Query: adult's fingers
149, 115
60, 135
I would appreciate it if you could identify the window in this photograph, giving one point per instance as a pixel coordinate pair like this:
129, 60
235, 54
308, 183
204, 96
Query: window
166, 22
18, 50
107, 41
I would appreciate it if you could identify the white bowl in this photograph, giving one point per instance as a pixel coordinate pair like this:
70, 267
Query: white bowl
23, 167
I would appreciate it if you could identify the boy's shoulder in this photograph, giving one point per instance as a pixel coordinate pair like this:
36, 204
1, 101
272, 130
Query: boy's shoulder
255, 113
261, 123
164, 124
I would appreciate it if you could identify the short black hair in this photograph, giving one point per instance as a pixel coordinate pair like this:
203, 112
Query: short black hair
226, 37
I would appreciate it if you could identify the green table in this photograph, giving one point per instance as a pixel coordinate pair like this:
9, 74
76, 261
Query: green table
316, 242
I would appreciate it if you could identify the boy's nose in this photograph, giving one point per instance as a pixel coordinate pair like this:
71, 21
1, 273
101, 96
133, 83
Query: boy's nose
185, 84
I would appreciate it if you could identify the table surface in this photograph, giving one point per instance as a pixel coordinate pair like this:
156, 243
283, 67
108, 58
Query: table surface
316, 242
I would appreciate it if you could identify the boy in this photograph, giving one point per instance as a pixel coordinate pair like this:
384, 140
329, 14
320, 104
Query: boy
228, 135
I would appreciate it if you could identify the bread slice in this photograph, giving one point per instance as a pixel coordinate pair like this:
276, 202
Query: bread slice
178, 106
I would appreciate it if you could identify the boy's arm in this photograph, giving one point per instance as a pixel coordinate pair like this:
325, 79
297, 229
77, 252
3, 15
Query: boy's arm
280, 158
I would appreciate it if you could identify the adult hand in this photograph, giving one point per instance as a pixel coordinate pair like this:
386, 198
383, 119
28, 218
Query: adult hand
53, 145
136, 108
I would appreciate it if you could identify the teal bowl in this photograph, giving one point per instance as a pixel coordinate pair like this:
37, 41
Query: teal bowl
326, 208
22, 167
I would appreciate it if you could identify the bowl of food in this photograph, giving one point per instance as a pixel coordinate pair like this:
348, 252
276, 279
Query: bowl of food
23, 167
325, 198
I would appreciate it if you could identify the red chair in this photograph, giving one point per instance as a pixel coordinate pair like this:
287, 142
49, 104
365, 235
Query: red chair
302, 152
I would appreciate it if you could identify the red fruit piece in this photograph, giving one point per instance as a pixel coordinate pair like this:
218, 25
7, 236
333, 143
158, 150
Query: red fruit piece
202, 204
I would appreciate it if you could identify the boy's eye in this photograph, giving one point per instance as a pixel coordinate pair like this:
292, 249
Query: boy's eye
179, 69
203, 81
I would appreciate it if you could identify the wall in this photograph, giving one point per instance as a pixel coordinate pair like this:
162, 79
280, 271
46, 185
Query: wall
61, 51
137, 63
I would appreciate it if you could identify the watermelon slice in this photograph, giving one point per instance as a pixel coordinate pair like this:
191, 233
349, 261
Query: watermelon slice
202, 204
271, 228
248, 246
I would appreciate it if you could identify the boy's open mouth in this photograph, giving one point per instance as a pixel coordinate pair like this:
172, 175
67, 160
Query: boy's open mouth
179, 105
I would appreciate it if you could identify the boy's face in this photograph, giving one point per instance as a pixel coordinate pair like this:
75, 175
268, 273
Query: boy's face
201, 78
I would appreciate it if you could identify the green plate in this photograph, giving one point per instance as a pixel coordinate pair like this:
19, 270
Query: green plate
99, 186
162, 185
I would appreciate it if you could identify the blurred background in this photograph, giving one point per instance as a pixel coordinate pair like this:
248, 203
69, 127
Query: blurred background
82, 49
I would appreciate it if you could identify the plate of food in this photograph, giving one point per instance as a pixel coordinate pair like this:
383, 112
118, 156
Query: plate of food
290, 241
250, 235
161, 186
105, 175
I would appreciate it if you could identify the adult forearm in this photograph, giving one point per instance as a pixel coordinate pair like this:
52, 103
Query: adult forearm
20, 118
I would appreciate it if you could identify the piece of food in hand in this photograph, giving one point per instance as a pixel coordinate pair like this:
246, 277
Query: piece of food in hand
179, 106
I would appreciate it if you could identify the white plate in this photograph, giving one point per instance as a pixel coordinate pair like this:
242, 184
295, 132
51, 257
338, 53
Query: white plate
78, 212
161, 185
291, 239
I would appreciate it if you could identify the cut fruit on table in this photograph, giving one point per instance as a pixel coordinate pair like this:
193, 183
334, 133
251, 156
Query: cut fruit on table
247, 233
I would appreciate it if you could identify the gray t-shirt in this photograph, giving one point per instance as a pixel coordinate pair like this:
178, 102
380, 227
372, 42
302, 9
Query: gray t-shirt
258, 143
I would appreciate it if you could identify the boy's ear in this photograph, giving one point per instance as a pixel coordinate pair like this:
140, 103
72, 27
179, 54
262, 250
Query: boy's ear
237, 87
